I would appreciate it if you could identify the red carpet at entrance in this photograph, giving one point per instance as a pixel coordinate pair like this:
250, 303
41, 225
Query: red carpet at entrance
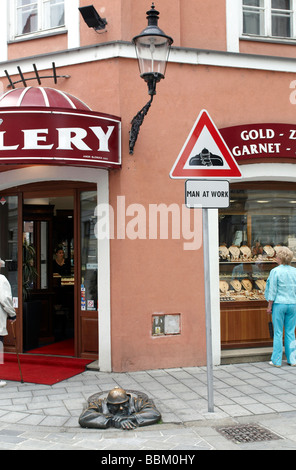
47, 370
61, 348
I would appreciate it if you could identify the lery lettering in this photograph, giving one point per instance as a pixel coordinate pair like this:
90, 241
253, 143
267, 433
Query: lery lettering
68, 138
155, 222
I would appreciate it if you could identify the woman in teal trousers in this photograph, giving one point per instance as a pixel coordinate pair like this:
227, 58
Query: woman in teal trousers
280, 293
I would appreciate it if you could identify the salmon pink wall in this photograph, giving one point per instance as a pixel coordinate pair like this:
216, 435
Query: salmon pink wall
190, 25
37, 46
159, 276
203, 24
266, 48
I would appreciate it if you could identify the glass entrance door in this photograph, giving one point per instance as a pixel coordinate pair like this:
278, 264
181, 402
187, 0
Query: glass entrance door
48, 275
88, 309
9, 239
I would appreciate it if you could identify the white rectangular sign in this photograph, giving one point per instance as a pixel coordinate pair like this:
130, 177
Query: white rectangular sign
209, 194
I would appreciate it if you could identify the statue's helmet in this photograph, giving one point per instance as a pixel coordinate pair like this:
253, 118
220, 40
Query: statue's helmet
117, 396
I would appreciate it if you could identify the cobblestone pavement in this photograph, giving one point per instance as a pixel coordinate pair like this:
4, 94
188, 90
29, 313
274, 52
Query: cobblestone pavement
41, 417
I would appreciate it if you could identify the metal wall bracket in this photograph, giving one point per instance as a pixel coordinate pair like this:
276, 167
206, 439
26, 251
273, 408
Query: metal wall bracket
36, 77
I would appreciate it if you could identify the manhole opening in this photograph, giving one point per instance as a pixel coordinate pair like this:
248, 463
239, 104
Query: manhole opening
244, 433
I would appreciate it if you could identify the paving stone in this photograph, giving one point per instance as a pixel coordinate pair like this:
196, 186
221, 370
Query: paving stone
29, 413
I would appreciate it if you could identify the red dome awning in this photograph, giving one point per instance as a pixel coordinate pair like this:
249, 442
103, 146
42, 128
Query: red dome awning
41, 97
40, 125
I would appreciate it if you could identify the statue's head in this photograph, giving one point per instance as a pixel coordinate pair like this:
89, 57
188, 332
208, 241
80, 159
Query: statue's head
117, 400
117, 396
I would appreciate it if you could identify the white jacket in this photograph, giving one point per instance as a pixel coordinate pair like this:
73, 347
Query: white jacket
6, 306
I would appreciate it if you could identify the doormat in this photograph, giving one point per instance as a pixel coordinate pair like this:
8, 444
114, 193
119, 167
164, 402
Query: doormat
46, 370
245, 433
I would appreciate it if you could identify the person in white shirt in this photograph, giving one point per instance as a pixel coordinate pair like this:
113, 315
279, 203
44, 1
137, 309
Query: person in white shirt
7, 310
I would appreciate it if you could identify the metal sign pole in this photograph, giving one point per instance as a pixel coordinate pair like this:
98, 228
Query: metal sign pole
205, 227
206, 194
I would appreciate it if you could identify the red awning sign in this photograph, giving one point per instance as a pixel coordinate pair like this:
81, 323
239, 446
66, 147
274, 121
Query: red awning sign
65, 137
205, 154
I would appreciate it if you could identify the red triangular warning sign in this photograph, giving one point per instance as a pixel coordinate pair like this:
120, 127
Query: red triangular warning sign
205, 154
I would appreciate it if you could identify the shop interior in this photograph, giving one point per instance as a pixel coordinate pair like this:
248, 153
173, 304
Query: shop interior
48, 273
257, 223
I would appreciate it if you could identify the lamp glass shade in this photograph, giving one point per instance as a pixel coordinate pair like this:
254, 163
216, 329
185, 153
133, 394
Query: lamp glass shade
152, 53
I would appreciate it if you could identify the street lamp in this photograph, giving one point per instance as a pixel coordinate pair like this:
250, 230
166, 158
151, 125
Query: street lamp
153, 49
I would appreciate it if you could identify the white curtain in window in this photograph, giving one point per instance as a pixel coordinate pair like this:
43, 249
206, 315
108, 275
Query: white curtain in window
27, 16
38, 15
53, 13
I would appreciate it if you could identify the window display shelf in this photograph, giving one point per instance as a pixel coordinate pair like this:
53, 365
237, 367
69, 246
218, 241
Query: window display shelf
243, 276
244, 280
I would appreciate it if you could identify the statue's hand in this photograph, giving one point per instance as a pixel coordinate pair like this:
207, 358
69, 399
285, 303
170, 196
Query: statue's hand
117, 420
127, 424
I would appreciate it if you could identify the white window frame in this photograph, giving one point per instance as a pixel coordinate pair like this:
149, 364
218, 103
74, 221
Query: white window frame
267, 27
13, 36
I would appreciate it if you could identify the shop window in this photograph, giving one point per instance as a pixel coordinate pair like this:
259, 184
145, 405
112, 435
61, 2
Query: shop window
30, 17
251, 230
89, 251
269, 18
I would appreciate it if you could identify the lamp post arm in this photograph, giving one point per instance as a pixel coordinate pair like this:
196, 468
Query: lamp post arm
136, 124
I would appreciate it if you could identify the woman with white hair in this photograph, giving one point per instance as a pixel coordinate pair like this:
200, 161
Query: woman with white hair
6, 309
280, 293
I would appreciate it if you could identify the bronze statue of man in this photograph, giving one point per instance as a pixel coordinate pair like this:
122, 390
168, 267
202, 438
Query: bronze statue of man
120, 410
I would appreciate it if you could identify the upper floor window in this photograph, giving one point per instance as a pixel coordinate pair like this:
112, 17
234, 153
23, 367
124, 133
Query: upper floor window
269, 18
33, 16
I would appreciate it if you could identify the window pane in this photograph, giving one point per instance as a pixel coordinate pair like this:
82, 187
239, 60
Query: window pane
27, 18
29, 257
89, 253
281, 18
21, 3
272, 218
281, 4
253, 22
9, 240
254, 3
53, 13
43, 14
253, 17
281, 25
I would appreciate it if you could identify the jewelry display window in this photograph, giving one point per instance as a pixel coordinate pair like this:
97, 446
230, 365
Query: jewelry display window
251, 230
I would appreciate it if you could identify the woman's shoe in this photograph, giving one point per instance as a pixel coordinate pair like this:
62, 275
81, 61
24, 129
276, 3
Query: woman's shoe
2, 383
272, 364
